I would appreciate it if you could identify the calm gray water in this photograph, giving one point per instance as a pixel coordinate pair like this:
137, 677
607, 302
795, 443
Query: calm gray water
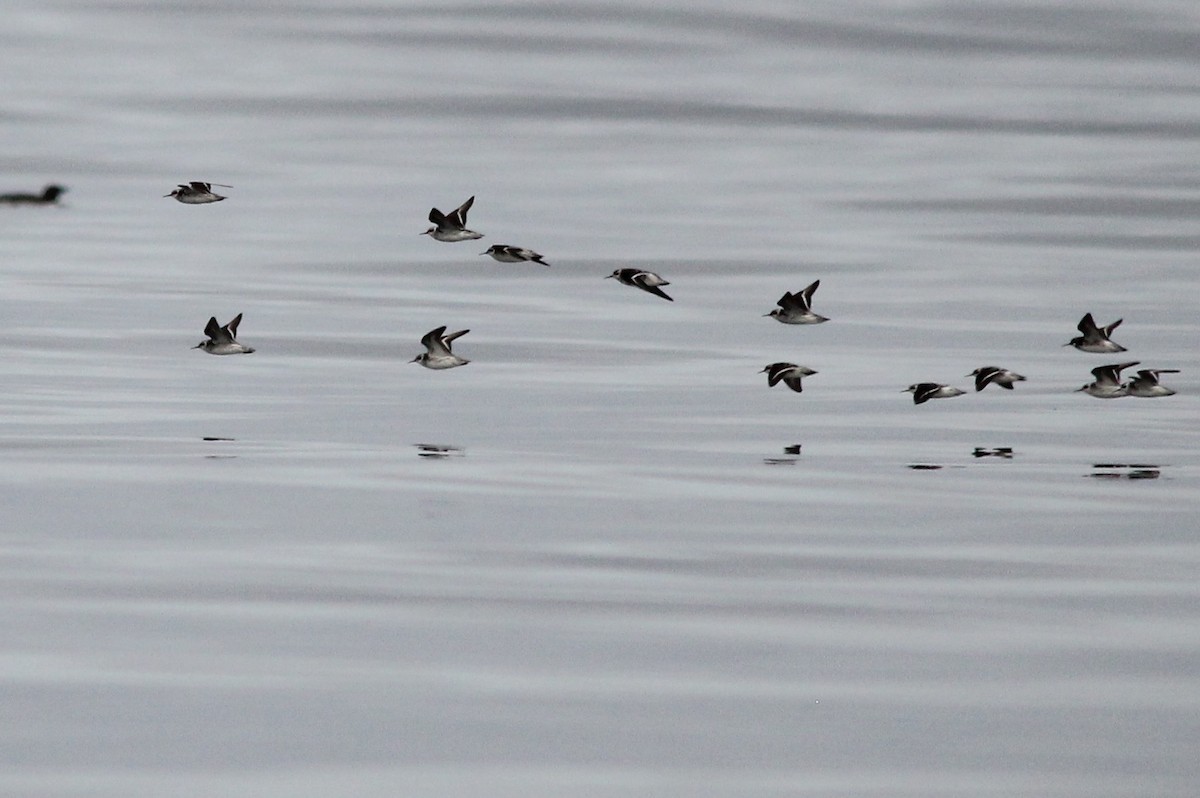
243, 576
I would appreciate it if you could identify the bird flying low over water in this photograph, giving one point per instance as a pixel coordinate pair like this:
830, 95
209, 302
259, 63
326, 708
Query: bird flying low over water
1108, 382
986, 375
797, 308
1145, 384
49, 196
1095, 339
787, 373
437, 354
508, 254
638, 278
196, 193
451, 226
223, 340
924, 391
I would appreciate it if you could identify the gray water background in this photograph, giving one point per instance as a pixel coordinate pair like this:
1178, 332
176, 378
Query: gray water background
241, 577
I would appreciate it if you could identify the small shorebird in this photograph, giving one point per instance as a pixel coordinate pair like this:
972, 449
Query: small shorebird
1095, 339
438, 354
924, 391
994, 374
223, 340
647, 281
797, 308
1145, 384
451, 226
506, 254
49, 196
787, 373
1108, 382
196, 193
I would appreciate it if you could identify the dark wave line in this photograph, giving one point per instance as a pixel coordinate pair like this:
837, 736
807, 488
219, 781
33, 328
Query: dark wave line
665, 111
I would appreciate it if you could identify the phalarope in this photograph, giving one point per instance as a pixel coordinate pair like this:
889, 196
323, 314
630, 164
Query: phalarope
223, 340
797, 308
924, 391
787, 373
1094, 338
196, 193
639, 278
451, 226
1108, 382
986, 375
508, 254
1146, 385
438, 354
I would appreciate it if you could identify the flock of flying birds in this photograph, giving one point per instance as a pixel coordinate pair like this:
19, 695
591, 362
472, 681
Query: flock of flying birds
794, 308
1108, 383
449, 227
797, 309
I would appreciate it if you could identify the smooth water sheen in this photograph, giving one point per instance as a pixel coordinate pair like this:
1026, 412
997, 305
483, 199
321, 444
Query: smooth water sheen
592, 562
